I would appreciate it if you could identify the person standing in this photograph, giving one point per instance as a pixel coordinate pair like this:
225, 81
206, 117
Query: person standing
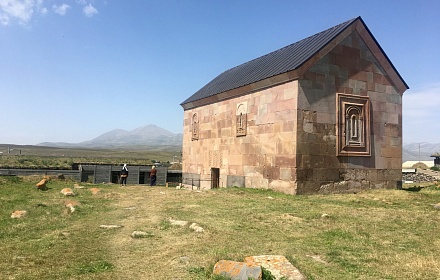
153, 173
124, 175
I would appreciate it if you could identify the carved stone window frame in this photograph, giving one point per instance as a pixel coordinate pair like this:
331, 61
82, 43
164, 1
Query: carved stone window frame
241, 119
195, 127
353, 125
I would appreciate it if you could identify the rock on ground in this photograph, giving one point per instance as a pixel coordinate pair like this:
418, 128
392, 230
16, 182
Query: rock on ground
67, 192
95, 191
140, 234
71, 204
237, 270
110, 226
178, 223
279, 266
42, 184
18, 214
195, 227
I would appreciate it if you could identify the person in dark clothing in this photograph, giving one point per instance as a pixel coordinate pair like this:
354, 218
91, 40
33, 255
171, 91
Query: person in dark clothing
153, 173
124, 175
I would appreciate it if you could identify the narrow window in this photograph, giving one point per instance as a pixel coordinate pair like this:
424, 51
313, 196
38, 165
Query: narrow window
353, 126
241, 120
195, 127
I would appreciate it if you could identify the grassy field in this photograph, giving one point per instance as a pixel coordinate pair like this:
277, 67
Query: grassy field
62, 158
377, 234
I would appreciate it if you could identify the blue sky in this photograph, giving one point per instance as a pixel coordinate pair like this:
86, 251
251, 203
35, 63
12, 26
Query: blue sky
73, 70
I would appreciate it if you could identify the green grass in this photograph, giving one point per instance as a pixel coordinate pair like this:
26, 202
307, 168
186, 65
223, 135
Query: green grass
377, 234
39, 157
48, 243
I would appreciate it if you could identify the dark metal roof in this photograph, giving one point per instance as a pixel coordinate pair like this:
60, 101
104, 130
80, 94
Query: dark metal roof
280, 61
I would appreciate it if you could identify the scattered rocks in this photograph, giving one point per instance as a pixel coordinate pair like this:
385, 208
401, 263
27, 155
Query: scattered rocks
67, 192
418, 177
237, 270
110, 226
195, 227
141, 234
278, 265
18, 214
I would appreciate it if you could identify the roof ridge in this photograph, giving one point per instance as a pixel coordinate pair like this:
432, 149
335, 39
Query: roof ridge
279, 61
297, 42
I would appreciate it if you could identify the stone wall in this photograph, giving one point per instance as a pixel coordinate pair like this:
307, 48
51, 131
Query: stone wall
264, 158
349, 68
291, 140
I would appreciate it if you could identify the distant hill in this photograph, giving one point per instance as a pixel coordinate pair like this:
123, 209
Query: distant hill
143, 137
419, 151
152, 136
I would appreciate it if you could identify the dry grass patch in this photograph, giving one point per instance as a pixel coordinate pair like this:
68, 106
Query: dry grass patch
378, 234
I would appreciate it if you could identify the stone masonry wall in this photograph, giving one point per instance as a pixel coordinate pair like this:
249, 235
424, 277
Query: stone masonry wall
264, 158
349, 68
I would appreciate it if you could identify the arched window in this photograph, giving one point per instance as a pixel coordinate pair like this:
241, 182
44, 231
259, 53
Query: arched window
354, 125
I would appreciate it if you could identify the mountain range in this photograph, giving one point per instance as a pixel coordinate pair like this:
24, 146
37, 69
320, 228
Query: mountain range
148, 136
419, 151
152, 136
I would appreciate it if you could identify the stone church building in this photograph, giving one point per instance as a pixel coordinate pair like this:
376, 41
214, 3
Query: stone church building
322, 115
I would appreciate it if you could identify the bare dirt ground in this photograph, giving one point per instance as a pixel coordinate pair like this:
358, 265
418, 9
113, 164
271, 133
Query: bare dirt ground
165, 253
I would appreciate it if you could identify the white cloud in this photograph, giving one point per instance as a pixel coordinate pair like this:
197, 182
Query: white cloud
89, 10
4, 19
16, 9
61, 10
23, 10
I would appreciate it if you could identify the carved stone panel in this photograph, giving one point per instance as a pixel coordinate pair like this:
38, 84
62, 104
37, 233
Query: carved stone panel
241, 119
195, 127
353, 125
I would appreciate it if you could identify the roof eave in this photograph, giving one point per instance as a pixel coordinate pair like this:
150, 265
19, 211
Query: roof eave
243, 90
380, 55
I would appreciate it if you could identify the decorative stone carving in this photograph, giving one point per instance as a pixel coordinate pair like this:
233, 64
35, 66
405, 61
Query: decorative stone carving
241, 119
195, 127
353, 125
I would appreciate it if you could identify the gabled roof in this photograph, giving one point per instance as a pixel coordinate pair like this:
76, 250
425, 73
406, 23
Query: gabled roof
278, 62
